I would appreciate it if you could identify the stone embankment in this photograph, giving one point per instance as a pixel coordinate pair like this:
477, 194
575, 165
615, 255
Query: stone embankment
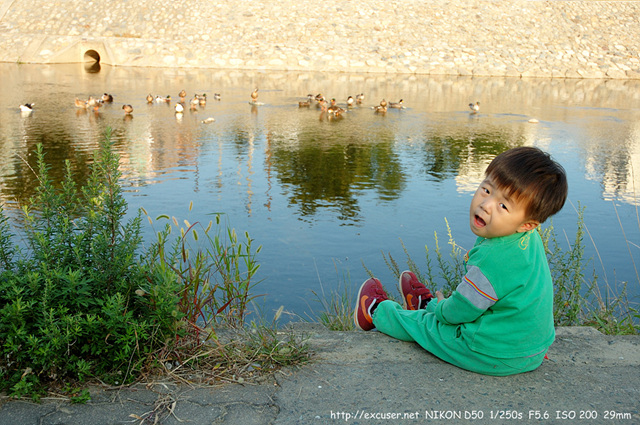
580, 39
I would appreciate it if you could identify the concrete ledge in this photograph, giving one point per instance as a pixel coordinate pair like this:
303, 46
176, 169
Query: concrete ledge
366, 377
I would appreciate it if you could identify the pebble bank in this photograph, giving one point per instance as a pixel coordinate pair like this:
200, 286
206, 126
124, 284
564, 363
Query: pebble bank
557, 39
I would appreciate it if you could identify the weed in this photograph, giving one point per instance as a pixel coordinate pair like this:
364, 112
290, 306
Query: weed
243, 355
213, 267
610, 314
271, 348
336, 312
77, 395
567, 270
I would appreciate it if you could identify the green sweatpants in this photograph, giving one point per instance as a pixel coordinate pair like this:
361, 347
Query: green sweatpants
444, 341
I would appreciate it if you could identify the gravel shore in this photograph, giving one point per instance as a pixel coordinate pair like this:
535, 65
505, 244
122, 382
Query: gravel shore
581, 39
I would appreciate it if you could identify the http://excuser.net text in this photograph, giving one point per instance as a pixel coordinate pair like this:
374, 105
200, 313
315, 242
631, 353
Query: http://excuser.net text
447, 415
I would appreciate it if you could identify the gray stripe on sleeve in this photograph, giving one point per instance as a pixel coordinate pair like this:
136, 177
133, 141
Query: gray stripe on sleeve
481, 293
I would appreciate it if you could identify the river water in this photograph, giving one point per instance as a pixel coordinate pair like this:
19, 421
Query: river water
325, 196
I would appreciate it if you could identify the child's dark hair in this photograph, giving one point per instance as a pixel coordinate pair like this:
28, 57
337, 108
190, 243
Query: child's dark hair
530, 175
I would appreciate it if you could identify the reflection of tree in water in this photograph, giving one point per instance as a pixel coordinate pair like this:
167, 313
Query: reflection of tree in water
58, 147
445, 153
613, 167
333, 172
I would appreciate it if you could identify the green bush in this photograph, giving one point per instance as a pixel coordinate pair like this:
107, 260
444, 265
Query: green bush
75, 302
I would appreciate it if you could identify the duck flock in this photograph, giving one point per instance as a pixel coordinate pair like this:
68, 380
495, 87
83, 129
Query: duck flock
198, 100
329, 109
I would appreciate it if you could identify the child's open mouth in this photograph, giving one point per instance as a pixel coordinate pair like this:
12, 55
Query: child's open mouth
479, 222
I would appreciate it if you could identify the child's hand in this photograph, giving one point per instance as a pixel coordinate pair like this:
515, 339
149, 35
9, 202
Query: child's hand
439, 296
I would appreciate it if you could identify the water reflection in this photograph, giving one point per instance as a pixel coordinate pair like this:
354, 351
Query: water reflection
92, 67
326, 166
614, 160
313, 188
448, 156
320, 163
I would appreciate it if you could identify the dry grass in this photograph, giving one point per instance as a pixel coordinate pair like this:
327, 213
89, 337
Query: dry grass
244, 356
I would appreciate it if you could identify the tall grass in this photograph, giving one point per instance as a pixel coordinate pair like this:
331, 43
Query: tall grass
335, 312
581, 299
215, 268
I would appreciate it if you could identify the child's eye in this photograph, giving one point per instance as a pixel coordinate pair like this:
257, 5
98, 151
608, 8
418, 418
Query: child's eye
504, 207
485, 190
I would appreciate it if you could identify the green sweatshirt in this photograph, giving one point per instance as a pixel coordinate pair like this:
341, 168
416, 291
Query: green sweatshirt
504, 304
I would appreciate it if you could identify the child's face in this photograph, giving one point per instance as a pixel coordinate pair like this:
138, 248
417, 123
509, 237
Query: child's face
493, 214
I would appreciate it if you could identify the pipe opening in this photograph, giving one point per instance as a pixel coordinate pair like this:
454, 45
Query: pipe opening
91, 56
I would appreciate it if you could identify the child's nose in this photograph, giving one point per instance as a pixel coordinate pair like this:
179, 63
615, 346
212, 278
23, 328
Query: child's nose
487, 205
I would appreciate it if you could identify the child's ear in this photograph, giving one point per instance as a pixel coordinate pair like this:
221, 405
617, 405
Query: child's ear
528, 225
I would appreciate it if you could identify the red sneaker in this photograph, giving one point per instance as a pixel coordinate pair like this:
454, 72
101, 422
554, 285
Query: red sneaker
371, 293
414, 294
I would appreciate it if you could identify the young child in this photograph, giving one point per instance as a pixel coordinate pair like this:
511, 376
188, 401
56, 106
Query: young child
499, 320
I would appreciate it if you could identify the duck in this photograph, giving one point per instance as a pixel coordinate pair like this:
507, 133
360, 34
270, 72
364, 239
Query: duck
359, 98
94, 103
208, 120
397, 105
254, 96
335, 109
161, 99
380, 109
128, 109
350, 102
338, 112
179, 108
107, 98
202, 100
216, 96
320, 101
182, 94
475, 107
332, 106
81, 103
306, 103
149, 98
193, 103
26, 107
